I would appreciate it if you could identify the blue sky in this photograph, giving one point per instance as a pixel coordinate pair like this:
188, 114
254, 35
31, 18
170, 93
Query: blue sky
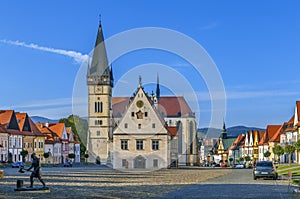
254, 44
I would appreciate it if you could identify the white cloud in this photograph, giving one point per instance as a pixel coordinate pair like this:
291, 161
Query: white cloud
230, 95
77, 56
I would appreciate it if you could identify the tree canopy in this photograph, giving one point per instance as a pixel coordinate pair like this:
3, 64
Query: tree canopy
79, 127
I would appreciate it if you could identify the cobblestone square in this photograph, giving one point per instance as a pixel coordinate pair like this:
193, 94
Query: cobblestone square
103, 182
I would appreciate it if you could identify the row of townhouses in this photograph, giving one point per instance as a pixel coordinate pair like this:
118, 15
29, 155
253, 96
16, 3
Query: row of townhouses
256, 143
19, 133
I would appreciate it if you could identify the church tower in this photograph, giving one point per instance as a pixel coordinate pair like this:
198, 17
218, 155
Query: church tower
100, 83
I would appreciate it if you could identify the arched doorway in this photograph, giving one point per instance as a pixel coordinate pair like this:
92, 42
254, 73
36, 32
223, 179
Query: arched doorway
139, 162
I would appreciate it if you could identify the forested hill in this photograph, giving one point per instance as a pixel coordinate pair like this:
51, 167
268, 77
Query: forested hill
231, 131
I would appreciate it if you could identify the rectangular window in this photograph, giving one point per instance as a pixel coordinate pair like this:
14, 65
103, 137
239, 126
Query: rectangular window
132, 114
153, 125
155, 163
155, 144
139, 145
98, 133
124, 162
139, 126
124, 144
125, 125
146, 114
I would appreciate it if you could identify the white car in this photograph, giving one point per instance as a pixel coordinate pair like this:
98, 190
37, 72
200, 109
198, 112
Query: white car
239, 166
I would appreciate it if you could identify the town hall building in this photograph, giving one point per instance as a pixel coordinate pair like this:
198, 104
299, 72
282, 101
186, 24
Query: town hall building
136, 132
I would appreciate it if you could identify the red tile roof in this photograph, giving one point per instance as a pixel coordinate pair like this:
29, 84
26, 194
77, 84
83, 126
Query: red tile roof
290, 125
57, 128
269, 134
119, 105
50, 136
276, 136
298, 110
172, 130
21, 119
168, 105
238, 142
264, 139
33, 130
5, 116
173, 106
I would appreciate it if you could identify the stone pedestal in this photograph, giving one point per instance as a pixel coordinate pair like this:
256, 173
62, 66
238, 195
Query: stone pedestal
20, 184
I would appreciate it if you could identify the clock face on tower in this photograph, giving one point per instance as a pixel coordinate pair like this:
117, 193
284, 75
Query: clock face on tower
140, 104
97, 89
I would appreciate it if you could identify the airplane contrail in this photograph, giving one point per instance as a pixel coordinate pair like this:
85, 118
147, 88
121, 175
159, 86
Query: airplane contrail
77, 56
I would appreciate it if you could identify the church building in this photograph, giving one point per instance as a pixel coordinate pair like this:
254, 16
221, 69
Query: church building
136, 132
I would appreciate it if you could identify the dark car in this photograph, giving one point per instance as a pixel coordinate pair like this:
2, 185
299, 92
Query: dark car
264, 169
17, 164
68, 164
216, 165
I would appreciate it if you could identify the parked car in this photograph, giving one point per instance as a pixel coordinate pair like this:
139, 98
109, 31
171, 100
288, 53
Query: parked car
68, 164
224, 165
17, 164
216, 165
239, 166
264, 169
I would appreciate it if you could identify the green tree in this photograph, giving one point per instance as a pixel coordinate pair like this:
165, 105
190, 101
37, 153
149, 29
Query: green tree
289, 149
23, 153
71, 156
278, 150
86, 156
297, 147
241, 159
267, 154
247, 158
46, 156
79, 127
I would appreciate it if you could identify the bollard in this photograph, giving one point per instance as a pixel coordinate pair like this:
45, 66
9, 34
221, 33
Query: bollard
1, 174
20, 184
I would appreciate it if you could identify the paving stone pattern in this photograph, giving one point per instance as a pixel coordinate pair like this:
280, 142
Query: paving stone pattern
103, 182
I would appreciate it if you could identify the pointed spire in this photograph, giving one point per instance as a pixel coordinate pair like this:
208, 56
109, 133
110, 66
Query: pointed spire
99, 60
111, 77
224, 127
157, 88
224, 133
140, 81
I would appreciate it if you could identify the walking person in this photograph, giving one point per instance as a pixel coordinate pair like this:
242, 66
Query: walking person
36, 173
